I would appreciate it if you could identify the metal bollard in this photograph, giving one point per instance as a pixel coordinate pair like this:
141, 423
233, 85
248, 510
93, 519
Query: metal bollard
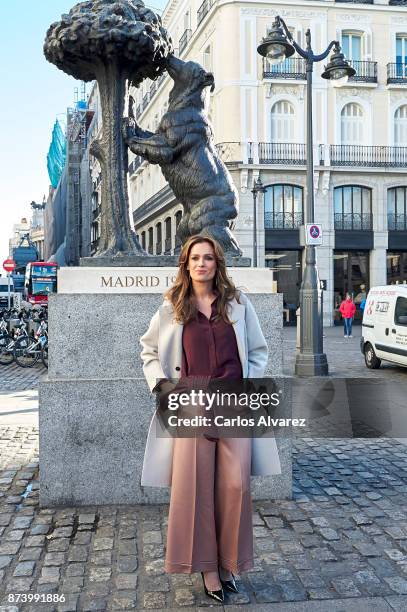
298, 343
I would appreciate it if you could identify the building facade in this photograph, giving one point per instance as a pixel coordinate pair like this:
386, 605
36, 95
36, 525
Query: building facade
258, 115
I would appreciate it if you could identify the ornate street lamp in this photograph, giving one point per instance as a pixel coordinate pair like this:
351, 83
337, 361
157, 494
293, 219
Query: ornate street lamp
257, 188
276, 47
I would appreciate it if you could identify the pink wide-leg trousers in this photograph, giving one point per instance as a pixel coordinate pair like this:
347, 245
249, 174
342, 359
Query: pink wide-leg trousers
210, 516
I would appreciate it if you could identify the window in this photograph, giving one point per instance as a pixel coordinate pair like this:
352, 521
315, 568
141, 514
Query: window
352, 124
283, 207
400, 313
168, 235
159, 239
207, 59
401, 49
282, 122
397, 208
353, 208
352, 45
150, 240
400, 126
143, 240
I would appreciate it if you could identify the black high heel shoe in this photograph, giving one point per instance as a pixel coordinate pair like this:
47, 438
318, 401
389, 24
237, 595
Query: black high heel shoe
230, 585
216, 595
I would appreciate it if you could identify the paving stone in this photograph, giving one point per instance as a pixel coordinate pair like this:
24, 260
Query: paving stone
269, 594
367, 550
70, 604
345, 587
5, 560
152, 537
38, 540
311, 579
30, 554
19, 585
72, 584
100, 574
397, 584
155, 568
25, 568
75, 569
161, 583
292, 591
154, 601
126, 581
49, 574
329, 534
54, 558
60, 545
184, 597
82, 538
128, 564
90, 604
22, 522
103, 557
9, 548
78, 553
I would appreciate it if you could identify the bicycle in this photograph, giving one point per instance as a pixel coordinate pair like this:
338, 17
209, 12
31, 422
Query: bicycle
28, 350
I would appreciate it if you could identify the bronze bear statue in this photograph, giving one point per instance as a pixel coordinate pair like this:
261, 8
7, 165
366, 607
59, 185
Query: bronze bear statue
183, 147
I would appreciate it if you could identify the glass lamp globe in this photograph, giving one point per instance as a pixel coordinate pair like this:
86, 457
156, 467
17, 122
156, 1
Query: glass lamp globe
276, 53
339, 77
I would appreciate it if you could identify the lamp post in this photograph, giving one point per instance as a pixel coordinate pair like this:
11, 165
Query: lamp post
276, 46
257, 188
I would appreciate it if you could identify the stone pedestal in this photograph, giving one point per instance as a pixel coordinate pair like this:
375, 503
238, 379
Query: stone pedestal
95, 406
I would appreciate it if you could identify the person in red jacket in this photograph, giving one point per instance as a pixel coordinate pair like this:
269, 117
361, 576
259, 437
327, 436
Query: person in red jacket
347, 309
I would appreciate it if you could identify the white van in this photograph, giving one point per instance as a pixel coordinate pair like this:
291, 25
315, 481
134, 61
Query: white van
384, 326
4, 291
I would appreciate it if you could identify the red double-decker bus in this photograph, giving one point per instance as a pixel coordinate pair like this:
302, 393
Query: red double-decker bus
40, 281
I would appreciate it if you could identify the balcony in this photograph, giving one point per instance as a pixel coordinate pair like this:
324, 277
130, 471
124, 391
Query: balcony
353, 221
136, 163
282, 220
282, 153
291, 68
355, 1
203, 10
366, 72
368, 157
397, 222
397, 73
183, 41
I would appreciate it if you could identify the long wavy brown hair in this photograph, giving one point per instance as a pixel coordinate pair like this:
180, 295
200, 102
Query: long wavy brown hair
181, 293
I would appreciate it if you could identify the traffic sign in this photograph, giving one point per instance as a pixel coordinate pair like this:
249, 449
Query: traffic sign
9, 265
313, 234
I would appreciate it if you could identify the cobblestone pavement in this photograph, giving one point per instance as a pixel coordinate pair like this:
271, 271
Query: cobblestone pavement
342, 537
339, 545
15, 378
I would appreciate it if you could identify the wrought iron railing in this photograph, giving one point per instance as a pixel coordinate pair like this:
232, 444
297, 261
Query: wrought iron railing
353, 221
397, 72
283, 220
282, 153
183, 41
397, 222
356, 1
368, 157
366, 72
136, 163
398, 2
291, 68
203, 10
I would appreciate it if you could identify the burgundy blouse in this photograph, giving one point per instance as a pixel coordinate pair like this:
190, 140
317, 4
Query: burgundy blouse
209, 348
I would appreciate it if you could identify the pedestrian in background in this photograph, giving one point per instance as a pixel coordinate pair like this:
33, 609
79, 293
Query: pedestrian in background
206, 328
347, 310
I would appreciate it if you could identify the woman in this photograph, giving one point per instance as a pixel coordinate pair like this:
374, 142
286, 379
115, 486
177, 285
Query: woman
207, 329
347, 310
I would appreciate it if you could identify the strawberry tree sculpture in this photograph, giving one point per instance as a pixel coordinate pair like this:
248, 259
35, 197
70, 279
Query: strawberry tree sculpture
111, 41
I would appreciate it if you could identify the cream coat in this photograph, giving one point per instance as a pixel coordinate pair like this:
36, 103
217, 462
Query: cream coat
161, 355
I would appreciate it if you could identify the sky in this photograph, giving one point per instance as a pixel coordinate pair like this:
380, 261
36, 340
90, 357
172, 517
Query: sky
33, 94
